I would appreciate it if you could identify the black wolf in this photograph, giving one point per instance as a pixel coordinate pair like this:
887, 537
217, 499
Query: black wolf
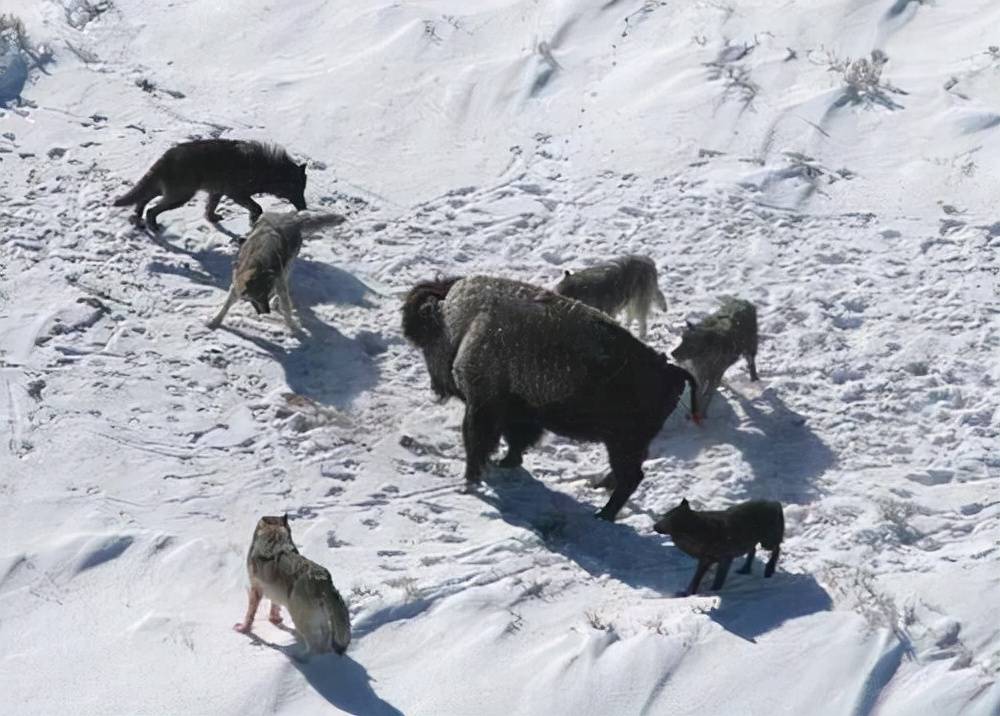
628, 283
221, 167
525, 360
710, 347
720, 536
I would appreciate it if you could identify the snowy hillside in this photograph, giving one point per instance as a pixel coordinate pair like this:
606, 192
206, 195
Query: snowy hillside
740, 144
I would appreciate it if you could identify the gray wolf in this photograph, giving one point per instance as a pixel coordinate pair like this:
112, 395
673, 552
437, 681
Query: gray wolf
221, 167
719, 536
628, 284
264, 262
277, 571
524, 360
710, 347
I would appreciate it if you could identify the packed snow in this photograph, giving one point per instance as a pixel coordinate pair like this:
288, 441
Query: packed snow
833, 161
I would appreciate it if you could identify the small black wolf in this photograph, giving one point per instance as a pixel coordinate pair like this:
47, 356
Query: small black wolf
222, 167
525, 360
719, 536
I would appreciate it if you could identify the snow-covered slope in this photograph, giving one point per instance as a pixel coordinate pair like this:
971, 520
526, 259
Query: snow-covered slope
514, 138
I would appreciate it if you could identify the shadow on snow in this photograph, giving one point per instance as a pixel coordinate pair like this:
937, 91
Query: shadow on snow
326, 366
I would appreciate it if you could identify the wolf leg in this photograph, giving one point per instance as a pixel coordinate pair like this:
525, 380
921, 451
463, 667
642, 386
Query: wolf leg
773, 562
285, 303
275, 616
748, 565
641, 317
480, 433
721, 570
752, 365
230, 300
626, 465
247, 202
520, 435
703, 565
254, 602
211, 204
168, 202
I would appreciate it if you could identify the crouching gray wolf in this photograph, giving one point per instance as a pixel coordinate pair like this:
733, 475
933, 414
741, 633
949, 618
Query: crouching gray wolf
709, 348
278, 572
628, 284
265, 260
718, 537
221, 167
525, 360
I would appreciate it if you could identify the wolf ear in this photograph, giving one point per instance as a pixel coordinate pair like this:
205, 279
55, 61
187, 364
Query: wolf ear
284, 521
688, 323
685, 504
567, 273
302, 169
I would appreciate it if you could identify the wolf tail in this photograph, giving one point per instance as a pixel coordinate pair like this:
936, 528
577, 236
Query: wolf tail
693, 384
145, 189
422, 324
308, 222
340, 623
661, 300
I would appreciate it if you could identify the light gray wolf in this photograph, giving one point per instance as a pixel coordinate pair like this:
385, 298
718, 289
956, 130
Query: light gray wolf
221, 167
710, 347
717, 537
277, 571
264, 262
525, 360
628, 283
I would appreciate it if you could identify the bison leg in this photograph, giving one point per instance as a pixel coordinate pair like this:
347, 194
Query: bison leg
703, 565
481, 434
626, 466
772, 563
520, 435
721, 570
752, 365
748, 565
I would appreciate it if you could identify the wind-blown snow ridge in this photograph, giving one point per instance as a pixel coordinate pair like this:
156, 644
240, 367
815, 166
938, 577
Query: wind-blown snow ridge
730, 142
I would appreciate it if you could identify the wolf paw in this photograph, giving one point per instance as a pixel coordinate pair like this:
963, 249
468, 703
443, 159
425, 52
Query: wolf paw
241, 628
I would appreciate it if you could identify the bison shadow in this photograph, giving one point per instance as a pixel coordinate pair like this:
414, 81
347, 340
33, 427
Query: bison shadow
568, 527
784, 454
342, 681
325, 366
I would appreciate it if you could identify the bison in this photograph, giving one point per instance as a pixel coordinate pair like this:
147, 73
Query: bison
524, 360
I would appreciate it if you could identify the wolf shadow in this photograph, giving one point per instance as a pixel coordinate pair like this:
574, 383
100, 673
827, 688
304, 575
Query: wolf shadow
750, 605
325, 366
339, 679
783, 452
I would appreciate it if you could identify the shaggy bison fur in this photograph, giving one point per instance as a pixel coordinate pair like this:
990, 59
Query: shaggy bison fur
525, 360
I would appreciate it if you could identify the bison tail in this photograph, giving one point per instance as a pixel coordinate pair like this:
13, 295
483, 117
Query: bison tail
421, 314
